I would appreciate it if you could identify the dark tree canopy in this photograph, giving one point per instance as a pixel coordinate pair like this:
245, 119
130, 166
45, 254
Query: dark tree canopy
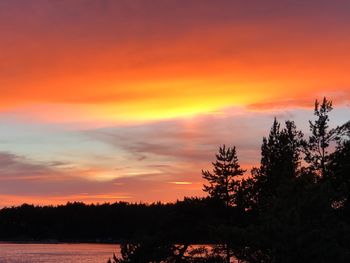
280, 162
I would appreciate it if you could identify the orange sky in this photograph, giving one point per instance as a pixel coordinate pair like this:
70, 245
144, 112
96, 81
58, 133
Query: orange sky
140, 66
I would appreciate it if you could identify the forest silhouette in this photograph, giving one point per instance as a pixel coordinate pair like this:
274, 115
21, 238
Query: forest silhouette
293, 207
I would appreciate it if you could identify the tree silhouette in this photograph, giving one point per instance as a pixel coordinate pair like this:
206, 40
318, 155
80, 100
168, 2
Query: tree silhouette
223, 182
317, 154
280, 162
223, 179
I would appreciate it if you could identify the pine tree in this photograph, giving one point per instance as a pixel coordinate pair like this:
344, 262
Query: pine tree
280, 161
290, 146
223, 179
223, 183
317, 154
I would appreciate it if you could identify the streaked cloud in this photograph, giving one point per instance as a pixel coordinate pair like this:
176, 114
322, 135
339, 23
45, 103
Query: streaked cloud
113, 100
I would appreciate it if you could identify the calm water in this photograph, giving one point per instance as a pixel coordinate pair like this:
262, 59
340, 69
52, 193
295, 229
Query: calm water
56, 253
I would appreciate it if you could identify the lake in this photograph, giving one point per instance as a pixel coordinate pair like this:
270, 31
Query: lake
56, 253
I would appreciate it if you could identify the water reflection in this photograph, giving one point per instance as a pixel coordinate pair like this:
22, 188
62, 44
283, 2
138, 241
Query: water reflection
56, 253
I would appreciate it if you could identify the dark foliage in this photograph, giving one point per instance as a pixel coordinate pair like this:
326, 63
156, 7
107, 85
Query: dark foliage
186, 220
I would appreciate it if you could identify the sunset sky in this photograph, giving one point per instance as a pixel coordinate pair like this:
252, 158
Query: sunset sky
104, 101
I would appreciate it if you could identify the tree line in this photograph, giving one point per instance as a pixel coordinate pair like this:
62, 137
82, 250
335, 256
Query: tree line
293, 207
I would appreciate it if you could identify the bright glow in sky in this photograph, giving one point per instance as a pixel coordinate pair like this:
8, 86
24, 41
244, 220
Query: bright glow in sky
129, 100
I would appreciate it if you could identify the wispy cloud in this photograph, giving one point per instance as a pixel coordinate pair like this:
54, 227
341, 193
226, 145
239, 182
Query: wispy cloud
109, 99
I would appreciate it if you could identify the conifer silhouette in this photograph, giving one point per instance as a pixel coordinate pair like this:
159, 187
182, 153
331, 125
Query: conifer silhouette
224, 177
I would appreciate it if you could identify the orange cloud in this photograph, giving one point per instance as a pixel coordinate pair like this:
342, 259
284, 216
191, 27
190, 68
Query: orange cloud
166, 74
173, 79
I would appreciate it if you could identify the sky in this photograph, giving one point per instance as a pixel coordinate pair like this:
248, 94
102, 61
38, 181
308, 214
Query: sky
128, 100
